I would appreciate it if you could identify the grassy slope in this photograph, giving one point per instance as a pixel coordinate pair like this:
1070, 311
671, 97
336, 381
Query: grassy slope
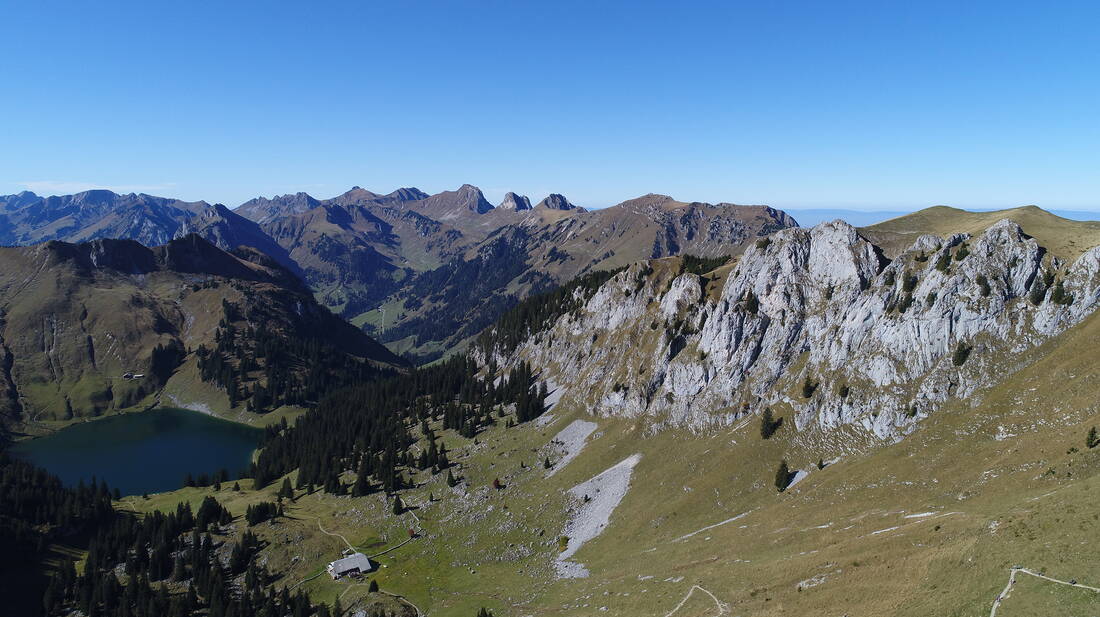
997, 475
74, 333
999, 480
1064, 238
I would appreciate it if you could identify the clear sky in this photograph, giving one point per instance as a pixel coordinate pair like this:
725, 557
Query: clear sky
890, 105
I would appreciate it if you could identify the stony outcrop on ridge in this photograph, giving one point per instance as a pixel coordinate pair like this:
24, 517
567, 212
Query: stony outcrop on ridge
817, 323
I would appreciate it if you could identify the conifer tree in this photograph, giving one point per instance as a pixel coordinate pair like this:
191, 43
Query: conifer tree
1092, 440
962, 352
179, 571
782, 476
752, 305
1038, 292
768, 423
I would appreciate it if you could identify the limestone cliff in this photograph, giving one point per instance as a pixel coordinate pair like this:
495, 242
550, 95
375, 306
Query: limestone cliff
817, 323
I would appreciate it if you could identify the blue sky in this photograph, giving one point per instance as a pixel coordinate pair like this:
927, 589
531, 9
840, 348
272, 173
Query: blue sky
869, 105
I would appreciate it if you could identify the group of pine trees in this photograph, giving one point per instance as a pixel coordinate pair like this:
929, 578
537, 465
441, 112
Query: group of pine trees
160, 565
176, 548
263, 511
263, 367
35, 511
368, 429
537, 311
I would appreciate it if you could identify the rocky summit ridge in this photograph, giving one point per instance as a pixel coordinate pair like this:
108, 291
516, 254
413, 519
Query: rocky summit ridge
817, 322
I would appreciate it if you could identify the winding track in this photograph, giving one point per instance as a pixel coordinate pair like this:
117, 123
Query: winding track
350, 587
1001, 597
326, 532
717, 602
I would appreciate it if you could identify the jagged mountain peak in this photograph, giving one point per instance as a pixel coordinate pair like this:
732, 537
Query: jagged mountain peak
515, 202
556, 201
17, 201
262, 210
453, 205
408, 194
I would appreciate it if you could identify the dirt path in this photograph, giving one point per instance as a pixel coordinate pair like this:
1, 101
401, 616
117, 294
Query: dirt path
403, 599
334, 534
399, 598
721, 607
709, 527
1001, 597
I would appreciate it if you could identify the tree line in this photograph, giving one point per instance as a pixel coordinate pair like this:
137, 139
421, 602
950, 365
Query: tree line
159, 565
265, 367
370, 428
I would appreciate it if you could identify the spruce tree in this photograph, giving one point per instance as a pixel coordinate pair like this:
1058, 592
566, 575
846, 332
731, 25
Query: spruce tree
808, 386
983, 285
1038, 292
782, 476
362, 482
179, 571
752, 305
768, 423
962, 352
944, 261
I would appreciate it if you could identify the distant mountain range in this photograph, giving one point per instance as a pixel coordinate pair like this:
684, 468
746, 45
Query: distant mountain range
422, 272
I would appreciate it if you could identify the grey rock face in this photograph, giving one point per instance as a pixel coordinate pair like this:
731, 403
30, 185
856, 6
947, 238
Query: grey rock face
515, 202
263, 210
818, 321
554, 201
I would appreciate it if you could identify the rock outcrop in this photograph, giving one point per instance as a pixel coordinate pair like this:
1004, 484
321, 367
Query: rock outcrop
517, 203
556, 201
818, 322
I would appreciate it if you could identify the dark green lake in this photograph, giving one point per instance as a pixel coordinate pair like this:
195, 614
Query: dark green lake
146, 452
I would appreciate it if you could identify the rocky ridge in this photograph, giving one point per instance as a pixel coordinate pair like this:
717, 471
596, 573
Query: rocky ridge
817, 323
